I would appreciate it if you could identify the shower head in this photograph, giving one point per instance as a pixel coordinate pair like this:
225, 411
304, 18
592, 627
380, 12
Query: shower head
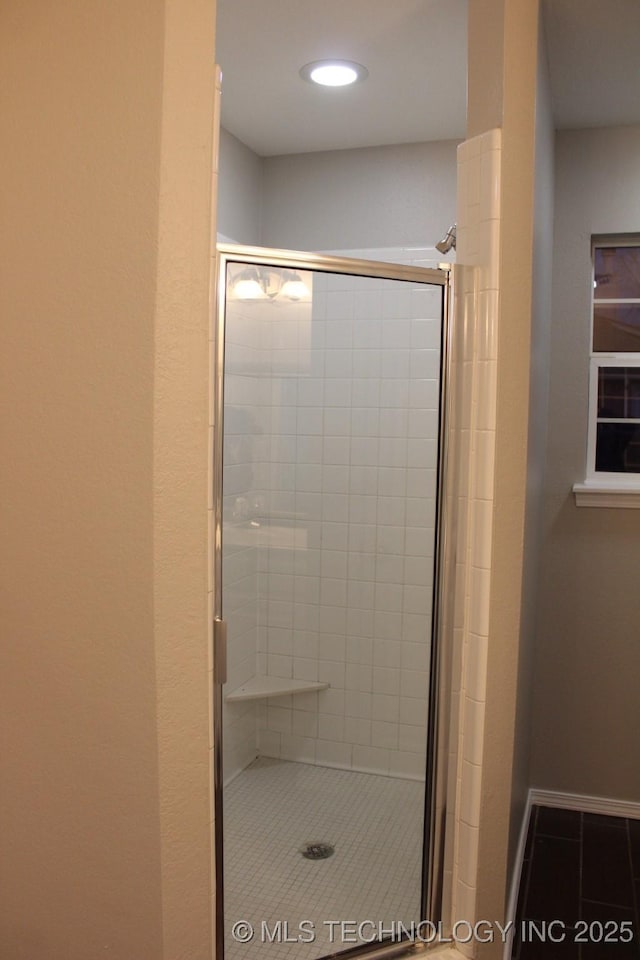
448, 242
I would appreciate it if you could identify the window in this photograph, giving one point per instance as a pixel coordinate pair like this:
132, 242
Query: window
614, 388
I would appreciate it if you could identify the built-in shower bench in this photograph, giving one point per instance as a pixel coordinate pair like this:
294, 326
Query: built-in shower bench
259, 688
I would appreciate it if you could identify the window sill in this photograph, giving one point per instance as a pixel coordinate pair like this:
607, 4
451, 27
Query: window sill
599, 493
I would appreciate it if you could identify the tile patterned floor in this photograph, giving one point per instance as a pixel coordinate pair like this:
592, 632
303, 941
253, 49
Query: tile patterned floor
583, 870
375, 824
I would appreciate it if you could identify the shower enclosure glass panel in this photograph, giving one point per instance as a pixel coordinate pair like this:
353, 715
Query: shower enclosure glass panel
328, 521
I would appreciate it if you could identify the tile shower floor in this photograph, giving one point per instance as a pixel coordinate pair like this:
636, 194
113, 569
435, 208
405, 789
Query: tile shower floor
375, 823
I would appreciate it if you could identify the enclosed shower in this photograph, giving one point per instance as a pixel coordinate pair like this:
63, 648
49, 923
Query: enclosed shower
330, 401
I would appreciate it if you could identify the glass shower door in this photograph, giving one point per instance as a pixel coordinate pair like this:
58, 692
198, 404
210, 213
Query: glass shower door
327, 533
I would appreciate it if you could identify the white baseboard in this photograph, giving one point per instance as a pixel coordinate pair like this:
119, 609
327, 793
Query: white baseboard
584, 804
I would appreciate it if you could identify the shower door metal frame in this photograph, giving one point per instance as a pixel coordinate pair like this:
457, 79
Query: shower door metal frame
440, 656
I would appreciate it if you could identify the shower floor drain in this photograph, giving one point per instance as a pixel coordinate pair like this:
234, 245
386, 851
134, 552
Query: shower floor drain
317, 851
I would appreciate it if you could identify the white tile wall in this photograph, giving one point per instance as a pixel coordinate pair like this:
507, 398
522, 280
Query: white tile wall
332, 451
244, 457
283, 472
478, 239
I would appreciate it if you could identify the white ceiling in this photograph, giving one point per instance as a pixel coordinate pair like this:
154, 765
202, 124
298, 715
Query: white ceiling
594, 61
415, 51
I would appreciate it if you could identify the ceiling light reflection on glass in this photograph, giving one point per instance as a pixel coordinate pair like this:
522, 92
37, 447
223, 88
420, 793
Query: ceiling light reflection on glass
334, 73
294, 288
247, 282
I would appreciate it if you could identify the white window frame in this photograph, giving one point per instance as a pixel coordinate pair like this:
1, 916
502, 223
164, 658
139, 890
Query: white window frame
615, 360
603, 488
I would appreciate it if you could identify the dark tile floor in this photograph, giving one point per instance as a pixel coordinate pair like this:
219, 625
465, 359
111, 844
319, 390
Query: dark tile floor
582, 870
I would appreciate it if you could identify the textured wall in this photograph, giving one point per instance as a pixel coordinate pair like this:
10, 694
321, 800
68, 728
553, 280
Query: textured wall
241, 191
371, 197
182, 463
364, 198
538, 425
104, 795
586, 705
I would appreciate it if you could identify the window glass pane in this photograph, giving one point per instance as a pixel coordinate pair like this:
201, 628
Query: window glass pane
618, 393
616, 329
618, 447
617, 273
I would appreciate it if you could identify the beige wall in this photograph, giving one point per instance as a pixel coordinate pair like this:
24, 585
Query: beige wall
538, 422
241, 191
414, 186
512, 405
509, 101
586, 708
485, 66
104, 252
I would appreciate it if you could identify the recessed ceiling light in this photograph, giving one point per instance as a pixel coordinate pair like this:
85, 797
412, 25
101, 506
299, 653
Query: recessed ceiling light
334, 73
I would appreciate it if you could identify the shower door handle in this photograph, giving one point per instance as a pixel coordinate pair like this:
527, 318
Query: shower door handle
220, 650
